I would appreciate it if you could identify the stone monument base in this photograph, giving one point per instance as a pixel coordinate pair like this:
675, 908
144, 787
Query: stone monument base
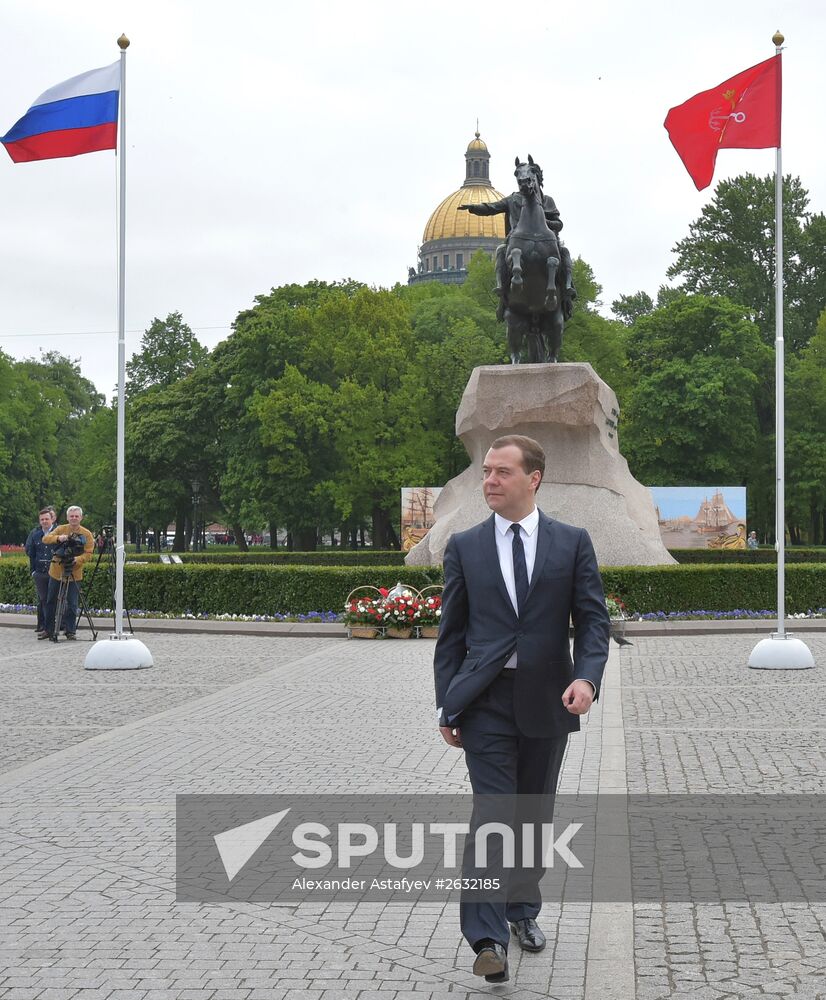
573, 414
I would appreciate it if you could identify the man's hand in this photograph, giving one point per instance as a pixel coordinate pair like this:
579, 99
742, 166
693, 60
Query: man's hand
577, 697
63, 538
451, 736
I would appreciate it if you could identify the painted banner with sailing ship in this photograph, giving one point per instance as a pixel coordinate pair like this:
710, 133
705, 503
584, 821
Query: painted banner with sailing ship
417, 513
701, 517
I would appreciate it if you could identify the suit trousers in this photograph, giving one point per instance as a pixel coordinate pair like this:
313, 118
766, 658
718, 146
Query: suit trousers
501, 760
41, 583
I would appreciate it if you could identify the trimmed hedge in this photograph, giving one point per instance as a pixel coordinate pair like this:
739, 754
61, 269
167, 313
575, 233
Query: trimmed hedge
715, 588
261, 589
280, 557
747, 557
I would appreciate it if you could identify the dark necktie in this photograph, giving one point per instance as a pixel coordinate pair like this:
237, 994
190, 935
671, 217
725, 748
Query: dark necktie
520, 569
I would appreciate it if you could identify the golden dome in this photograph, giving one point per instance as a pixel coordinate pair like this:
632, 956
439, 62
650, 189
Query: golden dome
477, 144
447, 221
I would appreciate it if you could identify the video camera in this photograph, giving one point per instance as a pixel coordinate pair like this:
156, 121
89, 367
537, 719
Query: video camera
68, 550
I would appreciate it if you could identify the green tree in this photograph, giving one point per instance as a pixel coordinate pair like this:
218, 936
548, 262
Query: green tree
92, 479
169, 351
297, 430
27, 436
172, 438
629, 308
701, 370
805, 440
590, 337
730, 251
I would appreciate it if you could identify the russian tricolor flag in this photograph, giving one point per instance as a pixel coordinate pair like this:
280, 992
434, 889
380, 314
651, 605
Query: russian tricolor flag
77, 116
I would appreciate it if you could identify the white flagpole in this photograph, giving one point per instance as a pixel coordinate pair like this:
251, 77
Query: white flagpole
120, 547
126, 653
782, 651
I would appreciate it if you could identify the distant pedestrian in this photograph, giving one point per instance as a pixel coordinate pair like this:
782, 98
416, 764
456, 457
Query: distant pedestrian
751, 541
40, 556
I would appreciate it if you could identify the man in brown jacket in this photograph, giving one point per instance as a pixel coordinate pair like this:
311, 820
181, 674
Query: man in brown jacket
73, 569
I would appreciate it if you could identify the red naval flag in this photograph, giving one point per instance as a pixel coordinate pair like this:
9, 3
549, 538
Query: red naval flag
740, 113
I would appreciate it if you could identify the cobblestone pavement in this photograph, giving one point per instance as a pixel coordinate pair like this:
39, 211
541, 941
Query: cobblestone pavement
697, 720
93, 761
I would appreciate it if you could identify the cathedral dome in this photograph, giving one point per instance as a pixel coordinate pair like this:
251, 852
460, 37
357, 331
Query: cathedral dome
452, 237
448, 222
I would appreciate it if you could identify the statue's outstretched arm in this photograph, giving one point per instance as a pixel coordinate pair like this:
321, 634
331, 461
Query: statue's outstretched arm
487, 208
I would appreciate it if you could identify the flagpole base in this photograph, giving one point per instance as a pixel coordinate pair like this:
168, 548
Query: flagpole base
781, 652
118, 652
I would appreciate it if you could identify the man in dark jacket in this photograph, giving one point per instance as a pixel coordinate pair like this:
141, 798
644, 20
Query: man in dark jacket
508, 691
40, 556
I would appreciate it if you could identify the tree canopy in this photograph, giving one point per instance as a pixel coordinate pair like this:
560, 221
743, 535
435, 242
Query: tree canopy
730, 251
328, 397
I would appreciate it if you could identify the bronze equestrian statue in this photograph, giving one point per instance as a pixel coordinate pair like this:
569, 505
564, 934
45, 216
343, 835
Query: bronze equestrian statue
534, 279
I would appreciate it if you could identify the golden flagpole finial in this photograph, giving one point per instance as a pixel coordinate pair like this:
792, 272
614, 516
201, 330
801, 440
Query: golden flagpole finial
123, 41
778, 39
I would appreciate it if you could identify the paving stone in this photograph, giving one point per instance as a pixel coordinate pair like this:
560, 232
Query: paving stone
698, 721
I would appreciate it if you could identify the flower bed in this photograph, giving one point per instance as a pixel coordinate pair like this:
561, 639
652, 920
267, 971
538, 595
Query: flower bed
333, 617
737, 614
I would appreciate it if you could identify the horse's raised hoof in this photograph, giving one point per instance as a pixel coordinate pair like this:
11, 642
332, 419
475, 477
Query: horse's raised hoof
551, 301
516, 278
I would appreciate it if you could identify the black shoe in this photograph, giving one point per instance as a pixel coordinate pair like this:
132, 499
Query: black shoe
492, 963
71, 635
43, 635
528, 934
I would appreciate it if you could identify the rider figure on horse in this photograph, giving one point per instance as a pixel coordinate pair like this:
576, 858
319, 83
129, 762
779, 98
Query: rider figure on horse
511, 207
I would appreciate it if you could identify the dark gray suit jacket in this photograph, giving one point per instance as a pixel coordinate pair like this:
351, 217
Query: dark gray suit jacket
479, 628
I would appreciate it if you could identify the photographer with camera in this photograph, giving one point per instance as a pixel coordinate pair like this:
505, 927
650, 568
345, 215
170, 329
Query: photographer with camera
73, 546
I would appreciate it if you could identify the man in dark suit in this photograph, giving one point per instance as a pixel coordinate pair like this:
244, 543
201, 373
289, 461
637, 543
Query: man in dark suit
507, 689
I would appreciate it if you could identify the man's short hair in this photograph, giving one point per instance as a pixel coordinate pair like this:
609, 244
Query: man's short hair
74, 507
533, 456
46, 510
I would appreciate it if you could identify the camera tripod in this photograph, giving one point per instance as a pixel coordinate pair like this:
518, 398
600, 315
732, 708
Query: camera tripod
62, 595
107, 552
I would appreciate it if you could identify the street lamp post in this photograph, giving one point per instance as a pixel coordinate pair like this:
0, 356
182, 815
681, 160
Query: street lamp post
196, 500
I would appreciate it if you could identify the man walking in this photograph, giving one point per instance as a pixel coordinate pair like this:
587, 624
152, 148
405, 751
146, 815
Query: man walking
507, 690
40, 555
57, 567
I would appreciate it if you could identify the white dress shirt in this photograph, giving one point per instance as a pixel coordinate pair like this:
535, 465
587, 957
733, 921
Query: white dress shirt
504, 549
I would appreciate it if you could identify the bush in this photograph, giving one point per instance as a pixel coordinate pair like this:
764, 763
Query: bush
261, 589
747, 557
715, 588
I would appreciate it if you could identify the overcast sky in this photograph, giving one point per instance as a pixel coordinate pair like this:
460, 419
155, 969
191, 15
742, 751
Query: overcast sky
271, 142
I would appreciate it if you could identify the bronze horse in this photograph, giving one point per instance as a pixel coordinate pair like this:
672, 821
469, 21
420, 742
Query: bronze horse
533, 302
